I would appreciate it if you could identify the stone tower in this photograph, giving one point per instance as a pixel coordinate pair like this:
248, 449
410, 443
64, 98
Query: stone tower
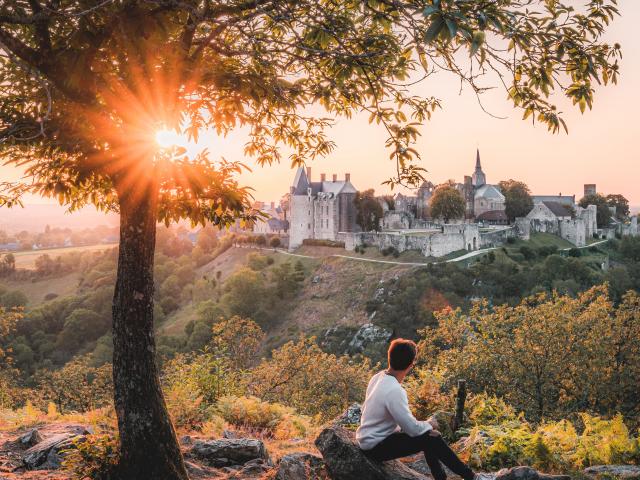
589, 189
425, 192
478, 176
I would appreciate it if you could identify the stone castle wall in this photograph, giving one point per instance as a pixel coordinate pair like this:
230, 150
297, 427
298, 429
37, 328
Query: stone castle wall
452, 238
499, 237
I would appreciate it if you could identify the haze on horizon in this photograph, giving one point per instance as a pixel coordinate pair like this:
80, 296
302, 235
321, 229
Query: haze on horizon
601, 146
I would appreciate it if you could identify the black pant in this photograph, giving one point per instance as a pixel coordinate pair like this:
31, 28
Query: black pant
435, 450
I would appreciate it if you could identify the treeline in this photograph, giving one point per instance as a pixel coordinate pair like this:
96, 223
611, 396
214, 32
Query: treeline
52, 237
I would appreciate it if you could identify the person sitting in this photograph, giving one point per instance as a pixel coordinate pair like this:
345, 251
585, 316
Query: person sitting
388, 429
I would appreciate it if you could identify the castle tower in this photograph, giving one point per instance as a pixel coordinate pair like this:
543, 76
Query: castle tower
478, 176
589, 189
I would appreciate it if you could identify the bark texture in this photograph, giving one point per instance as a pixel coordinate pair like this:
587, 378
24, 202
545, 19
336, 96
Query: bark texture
148, 445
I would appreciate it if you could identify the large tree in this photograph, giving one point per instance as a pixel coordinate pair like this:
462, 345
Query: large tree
369, 211
447, 202
620, 203
86, 84
518, 201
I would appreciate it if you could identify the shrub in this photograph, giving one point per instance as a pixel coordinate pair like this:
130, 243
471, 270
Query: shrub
94, 456
574, 252
275, 242
547, 250
527, 252
302, 376
315, 242
269, 418
257, 261
511, 240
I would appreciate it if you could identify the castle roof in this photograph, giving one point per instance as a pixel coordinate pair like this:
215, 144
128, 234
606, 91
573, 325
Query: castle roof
488, 191
493, 216
301, 185
558, 209
569, 200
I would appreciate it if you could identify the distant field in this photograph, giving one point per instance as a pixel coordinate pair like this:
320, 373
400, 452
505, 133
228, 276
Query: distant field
27, 259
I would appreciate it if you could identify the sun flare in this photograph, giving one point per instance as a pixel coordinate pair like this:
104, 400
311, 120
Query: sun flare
169, 138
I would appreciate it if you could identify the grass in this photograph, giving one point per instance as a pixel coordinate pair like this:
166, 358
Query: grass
541, 240
36, 291
27, 259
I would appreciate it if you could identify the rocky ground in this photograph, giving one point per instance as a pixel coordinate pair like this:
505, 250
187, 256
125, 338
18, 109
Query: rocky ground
36, 453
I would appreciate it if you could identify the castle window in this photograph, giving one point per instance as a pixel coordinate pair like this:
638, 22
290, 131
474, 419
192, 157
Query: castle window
308, 226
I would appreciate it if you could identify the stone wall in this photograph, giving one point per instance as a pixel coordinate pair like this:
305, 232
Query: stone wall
495, 238
450, 239
573, 231
631, 229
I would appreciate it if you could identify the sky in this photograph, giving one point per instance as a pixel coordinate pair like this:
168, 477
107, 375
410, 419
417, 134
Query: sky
602, 147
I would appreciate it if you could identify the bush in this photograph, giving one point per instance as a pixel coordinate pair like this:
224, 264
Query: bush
547, 250
527, 252
511, 240
94, 456
302, 376
271, 419
275, 242
322, 243
574, 252
257, 261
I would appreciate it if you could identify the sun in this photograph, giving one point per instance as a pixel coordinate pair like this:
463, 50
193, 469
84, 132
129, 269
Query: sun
168, 138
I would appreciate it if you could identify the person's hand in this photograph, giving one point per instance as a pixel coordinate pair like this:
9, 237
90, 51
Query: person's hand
434, 433
434, 423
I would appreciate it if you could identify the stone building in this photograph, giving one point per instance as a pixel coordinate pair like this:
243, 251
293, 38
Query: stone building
319, 210
480, 197
275, 223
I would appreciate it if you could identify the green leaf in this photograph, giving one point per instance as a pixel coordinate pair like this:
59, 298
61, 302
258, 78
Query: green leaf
434, 29
452, 26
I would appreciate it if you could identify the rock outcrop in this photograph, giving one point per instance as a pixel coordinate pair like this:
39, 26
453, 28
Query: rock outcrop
345, 461
351, 416
620, 472
301, 466
48, 454
30, 438
226, 452
526, 473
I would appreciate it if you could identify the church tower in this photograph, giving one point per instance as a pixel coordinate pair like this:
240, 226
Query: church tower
478, 176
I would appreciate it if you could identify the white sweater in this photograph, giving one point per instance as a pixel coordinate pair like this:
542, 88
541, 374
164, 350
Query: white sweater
385, 411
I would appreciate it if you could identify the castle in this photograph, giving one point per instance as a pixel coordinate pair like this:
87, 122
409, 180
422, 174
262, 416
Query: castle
319, 210
484, 203
326, 210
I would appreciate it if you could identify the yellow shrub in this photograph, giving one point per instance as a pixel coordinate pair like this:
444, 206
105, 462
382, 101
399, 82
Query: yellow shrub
270, 418
213, 427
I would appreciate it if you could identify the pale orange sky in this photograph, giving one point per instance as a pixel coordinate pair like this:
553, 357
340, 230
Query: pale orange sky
602, 147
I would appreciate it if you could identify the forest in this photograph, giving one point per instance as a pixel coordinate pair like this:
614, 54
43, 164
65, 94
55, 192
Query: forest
545, 340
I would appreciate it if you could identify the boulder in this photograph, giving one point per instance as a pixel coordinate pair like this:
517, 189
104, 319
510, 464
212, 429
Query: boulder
301, 466
444, 420
620, 472
229, 451
351, 416
345, 461
30, 438
526, 473
253, 469
48, 454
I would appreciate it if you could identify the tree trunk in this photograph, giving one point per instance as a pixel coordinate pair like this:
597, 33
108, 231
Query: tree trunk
148, 445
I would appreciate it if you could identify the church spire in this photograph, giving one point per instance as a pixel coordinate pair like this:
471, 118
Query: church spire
478, 177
